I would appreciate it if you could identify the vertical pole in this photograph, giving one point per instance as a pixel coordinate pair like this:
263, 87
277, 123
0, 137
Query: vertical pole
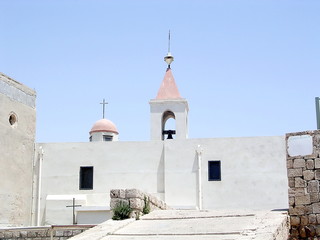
169, 43
39, 185
73, 210
199, 153
318, 112
51, 233
104, 102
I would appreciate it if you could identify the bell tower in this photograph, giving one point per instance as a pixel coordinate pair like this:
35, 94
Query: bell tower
169, 105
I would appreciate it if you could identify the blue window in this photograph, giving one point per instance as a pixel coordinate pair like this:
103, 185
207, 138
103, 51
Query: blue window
214, 170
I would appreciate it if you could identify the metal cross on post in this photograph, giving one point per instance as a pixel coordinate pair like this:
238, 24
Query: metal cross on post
103, 106
73, 210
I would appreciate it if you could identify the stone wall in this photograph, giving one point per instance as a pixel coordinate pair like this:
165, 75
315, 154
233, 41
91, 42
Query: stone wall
17, 136
43, 233
303, 165
136, 200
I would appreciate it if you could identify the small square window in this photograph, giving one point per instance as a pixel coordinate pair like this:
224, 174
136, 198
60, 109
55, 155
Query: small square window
214, 171
86, 178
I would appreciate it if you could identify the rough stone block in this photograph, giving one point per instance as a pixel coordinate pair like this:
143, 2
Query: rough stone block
310, 230
317, 163
299, 182
294, 221
16, 234
297, 211
318, 218
76, 232
32, 234
299, 192
136, 203
302, 232
134, 193
312, 218
316, 207
135, 214
23, 234
291, 182
296, 172
290, 163
291, 201
49, 232
304, 220
154, 200
59, 233
313, 186
294, 233
114, 193
67, 233
308, 209
302, 200
310, 164
42, 233
317, 174
117, 193
314, 197
308, 175
115, 201
299, 163
160, 204
318, 230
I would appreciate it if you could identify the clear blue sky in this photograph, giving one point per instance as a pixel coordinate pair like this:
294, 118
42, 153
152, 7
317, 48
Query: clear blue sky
247, 68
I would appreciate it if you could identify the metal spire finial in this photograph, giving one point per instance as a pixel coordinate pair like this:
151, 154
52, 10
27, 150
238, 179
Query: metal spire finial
169, 58
103, 107
169, 43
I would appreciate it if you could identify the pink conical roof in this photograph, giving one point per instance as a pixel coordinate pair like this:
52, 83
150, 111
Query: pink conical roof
168, 88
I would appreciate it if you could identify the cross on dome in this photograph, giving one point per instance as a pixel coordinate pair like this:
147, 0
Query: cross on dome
103, 107
103, 129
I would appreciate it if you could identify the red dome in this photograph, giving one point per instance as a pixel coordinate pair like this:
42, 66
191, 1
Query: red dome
104, 125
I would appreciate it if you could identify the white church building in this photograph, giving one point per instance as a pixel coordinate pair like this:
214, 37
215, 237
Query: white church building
205, 173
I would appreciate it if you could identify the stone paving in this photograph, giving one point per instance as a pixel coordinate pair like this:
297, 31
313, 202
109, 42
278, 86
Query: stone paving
193, 224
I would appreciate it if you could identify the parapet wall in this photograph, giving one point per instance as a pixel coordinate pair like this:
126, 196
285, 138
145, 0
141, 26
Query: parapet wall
303, 165
44, 233
136, 200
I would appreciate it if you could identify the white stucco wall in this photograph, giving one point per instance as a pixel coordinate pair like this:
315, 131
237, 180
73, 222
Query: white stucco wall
16, 152
116, 165
253, 171
93, 215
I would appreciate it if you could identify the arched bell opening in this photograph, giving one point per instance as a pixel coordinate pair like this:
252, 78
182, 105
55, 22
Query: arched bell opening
168, 125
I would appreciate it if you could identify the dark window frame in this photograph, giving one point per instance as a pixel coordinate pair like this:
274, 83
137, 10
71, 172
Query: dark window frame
214, 176
107, 138
86, 178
